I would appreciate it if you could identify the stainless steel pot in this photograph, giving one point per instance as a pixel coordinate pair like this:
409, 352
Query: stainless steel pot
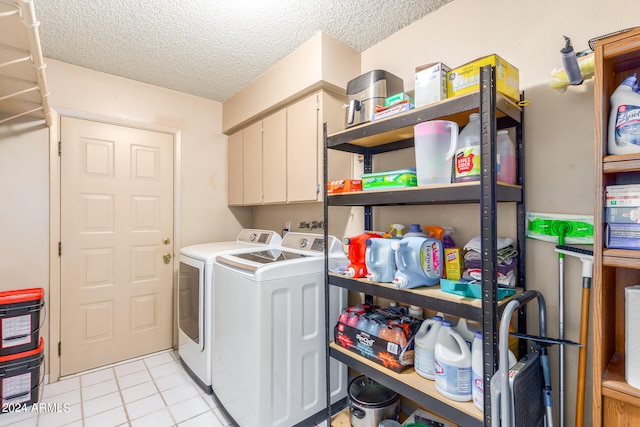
371, 402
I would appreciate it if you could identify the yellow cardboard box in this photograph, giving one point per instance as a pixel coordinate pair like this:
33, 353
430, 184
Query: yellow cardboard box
454, 263
465, 79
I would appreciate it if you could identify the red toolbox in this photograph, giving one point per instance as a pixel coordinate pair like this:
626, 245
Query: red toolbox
20, 320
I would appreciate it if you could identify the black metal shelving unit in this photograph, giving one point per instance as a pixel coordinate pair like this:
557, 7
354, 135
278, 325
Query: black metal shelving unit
395, 133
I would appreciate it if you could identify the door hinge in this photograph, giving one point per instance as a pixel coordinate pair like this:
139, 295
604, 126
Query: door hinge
59, 148
318, 105
59, 348
59, 248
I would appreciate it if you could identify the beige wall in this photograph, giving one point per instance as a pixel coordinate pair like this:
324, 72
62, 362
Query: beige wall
558, 127
202, 213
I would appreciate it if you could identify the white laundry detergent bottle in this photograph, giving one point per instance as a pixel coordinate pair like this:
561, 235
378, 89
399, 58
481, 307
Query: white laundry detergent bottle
466, 160
425, 343
379, 259
419, 261
477, 379
467, 330
624, 120
453, 364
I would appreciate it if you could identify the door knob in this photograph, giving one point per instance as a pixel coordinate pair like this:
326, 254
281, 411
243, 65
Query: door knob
166, 241
167, 258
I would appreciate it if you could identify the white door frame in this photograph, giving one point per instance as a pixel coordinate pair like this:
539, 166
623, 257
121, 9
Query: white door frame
55, 289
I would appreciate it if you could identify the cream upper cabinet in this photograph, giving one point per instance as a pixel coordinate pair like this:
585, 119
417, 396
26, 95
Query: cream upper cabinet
274, 158
302, 150
282, 154
252, 173
305, 120
235, 160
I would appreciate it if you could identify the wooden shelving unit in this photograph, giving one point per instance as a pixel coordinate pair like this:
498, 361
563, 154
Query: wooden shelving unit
615, 402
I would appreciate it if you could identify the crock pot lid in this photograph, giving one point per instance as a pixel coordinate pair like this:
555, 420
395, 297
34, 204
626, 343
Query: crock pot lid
366, 391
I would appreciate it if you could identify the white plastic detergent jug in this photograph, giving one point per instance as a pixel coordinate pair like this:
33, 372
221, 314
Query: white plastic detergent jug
477, 380
466, 160
380, 260
425, 343
466, 330
415, 230
419, 261
453, 364
624, 120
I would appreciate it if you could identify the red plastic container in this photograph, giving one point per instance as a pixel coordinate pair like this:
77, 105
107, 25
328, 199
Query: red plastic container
357, 249
20, 379
20, 320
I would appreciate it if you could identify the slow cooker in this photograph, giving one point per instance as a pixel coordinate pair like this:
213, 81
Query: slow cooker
371, 402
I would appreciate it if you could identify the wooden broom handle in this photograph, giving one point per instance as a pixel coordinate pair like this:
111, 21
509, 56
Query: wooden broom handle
582, 356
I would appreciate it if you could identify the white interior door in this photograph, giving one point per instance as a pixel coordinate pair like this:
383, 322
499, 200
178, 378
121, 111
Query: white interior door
116, 243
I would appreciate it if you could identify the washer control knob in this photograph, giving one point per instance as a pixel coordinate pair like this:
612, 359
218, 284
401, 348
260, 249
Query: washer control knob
253, 237
304, 242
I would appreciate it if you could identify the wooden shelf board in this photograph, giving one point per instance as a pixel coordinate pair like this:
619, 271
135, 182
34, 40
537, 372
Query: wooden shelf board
621, 258
614, 383
463, 192
341, 419
426, 293
400, 126
621, 163
414, 381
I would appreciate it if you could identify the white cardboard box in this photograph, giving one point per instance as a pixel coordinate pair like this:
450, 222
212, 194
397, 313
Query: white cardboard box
632, 335
431, 84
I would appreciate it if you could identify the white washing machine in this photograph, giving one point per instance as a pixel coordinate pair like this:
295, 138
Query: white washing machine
195, 299
269, 366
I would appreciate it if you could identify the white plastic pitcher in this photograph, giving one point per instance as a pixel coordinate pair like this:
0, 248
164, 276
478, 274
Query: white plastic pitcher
435, 142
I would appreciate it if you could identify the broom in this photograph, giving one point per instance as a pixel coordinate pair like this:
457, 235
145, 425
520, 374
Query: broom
560, 229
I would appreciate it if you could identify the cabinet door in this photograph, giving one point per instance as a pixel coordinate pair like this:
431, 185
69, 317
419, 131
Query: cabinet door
274, 165
235, 171
302, 150
253, 164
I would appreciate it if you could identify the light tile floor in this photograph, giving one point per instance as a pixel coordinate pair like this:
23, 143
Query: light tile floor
153, 391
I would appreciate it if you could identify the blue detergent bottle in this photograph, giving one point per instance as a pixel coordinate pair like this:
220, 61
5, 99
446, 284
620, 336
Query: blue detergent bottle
380, 260
419, 261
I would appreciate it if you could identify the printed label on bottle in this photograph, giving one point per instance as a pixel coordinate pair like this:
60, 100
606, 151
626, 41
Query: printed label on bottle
628, 125
424, 360
453, 379
467, 161
430, 260
477, 388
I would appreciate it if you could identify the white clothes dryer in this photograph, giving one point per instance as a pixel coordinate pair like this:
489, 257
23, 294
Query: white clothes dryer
195, 299
269, 366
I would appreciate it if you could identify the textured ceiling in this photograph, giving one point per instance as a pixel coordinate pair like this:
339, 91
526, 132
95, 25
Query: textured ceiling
209, 48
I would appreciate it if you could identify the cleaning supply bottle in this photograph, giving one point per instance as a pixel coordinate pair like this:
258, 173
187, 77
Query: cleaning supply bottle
506, 158
477, 379
624, 120
379, 260
466, 159
357, 250
424, 343
415, 230
453, 364
419, 261
416, 312
466, 331
398, 228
